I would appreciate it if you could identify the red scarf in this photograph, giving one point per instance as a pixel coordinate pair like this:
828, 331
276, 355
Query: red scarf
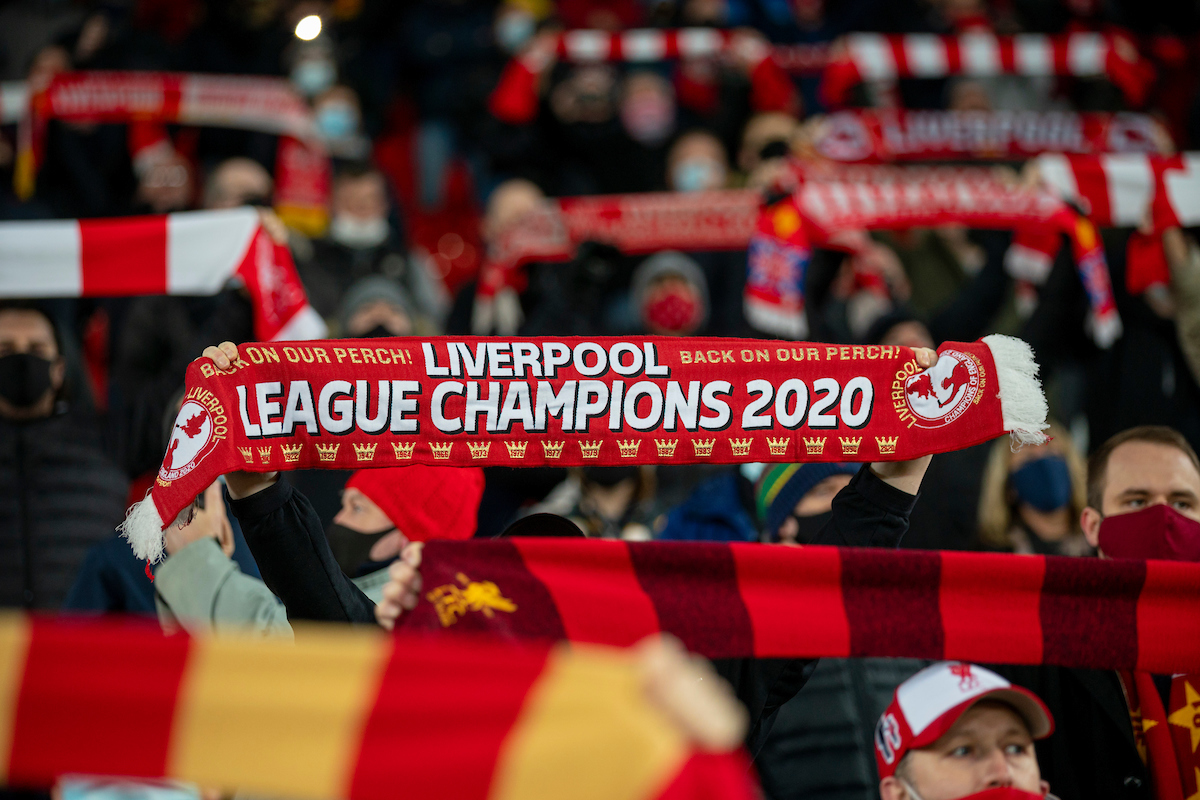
1166, 739
148, 101
898, 135
750, 600
889, 57
606, 401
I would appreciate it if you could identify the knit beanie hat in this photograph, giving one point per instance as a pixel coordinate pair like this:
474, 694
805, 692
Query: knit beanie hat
425, 502
781, 486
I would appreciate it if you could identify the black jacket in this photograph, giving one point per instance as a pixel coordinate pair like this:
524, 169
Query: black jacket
287, 541
59, 495
1091, 755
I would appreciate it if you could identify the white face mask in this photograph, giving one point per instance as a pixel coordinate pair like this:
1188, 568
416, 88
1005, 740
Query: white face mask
358, 233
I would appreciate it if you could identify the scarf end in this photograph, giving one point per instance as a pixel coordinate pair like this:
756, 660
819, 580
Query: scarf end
143, 529
1022, 402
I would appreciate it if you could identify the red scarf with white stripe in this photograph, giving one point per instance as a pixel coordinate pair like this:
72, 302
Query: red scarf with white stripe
148, 101
191, 253
889, 57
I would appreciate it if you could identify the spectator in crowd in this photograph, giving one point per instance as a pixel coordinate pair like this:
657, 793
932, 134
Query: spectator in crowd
201, 588
59, 493
821, 742
954, 730
697, 162
1032, 499
362, 242
238, 182
378, 306
1143, 501
605, 502
670, 294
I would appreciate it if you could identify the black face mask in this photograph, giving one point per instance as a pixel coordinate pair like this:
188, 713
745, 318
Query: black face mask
810, 526
24, 378
352, 549
378, 332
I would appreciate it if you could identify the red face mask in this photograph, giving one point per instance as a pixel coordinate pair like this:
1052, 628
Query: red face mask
1156, 532
673, 310
1002, 793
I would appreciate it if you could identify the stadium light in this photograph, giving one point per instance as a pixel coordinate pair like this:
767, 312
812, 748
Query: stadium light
308, 28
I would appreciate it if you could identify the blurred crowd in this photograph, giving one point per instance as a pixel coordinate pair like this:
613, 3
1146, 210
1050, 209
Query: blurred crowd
426, 177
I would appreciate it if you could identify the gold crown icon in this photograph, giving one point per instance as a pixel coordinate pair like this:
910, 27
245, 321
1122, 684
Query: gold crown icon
264, 454
814, 447
328, 452
887, 446
291, 452
741, 447
666, 447
850, 446
403, 450
591, 449
441, 450
703, 447
247, 453
553, 449
778, 447
516, 449
365, 452
479, 449
630, 448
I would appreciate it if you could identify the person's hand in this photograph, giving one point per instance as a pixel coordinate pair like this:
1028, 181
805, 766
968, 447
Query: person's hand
403, 589
240, 484
222, 355
907, 475
689, 691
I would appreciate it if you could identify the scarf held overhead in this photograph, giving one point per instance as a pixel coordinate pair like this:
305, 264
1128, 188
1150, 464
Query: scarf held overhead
351, 404
737, 600
343, 715
190, 253
899, 135
148, 101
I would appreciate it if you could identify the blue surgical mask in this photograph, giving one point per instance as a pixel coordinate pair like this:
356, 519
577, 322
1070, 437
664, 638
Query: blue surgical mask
313, 76
513, 29
1044, 484
337, 120
697, 175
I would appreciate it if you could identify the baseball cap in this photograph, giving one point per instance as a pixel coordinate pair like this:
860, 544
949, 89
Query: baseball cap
929, 703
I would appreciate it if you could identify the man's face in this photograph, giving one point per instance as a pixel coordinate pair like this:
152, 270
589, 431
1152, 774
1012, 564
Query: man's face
360, 514
988, 747
29, 332
1140, 475
362, 198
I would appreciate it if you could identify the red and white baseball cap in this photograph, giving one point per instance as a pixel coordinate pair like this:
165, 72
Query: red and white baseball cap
926, 705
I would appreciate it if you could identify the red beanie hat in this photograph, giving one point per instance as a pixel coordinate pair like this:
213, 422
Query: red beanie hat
424, 502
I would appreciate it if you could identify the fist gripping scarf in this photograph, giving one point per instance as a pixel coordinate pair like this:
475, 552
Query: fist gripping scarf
350, 404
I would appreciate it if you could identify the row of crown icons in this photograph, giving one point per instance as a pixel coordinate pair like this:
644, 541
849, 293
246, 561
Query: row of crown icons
665, 448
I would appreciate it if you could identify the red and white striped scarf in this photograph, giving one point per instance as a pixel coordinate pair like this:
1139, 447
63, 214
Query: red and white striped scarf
192, 253
150, 100
888, 57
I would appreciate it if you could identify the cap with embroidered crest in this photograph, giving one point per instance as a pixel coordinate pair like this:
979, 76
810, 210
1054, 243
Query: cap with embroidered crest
929, 703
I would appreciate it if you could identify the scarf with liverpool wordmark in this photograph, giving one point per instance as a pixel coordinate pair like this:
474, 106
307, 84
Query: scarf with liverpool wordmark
741, 600
350, 404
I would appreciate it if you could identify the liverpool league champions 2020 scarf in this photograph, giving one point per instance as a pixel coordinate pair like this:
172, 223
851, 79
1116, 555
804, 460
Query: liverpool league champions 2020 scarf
353, 404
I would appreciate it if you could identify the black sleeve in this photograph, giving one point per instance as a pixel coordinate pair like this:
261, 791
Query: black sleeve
867, 513
293, 555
